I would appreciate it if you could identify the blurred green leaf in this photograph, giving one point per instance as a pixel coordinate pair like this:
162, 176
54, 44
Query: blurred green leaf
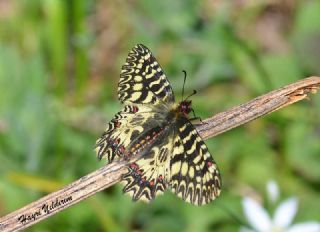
59, 68
302, 149
306, 36
281, 69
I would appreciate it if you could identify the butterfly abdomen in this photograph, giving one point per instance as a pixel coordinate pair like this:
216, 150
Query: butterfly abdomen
142, 141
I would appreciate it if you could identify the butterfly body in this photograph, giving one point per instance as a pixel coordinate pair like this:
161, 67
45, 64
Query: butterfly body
153, 133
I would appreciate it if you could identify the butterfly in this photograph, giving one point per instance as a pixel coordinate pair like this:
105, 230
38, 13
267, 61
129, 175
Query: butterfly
154, 134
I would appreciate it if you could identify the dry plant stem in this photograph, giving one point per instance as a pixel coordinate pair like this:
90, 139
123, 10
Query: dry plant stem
258, 107
111, 174
57, 201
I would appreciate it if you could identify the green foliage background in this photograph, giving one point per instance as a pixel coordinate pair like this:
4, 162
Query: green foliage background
59, 66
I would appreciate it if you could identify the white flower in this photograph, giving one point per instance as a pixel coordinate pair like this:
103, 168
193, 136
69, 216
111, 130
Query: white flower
260, 220
273, 191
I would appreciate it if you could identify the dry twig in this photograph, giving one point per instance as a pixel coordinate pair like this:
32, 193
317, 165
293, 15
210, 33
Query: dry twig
111, 174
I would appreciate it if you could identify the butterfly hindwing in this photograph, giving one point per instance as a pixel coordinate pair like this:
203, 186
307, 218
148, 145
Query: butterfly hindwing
194, 175
149, 175
124, 129
142, 80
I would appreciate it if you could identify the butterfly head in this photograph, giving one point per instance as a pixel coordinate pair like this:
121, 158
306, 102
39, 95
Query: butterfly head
185, 107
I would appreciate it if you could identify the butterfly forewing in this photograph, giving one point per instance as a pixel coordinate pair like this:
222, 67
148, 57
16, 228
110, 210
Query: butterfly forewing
142, 80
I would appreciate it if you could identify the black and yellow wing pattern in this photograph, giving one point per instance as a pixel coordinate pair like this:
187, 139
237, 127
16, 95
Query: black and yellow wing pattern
163, 149
194, 174
142, 80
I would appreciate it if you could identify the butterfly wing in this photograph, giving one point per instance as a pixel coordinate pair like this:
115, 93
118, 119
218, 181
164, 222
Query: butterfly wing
179, 160
194, 174
142, 80
149, 175
147, 94
124, 130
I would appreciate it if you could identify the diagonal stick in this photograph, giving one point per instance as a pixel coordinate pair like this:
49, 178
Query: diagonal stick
110, 174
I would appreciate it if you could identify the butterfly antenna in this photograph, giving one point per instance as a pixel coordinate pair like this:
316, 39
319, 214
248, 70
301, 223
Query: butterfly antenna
194, 92
184, 82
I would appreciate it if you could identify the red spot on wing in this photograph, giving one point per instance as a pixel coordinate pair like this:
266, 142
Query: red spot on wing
135, 109
134, 166
122, 149
117, 124
151, 183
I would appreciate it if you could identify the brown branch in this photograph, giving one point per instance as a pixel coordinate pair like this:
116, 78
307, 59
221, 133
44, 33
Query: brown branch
111, 174
258, 107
